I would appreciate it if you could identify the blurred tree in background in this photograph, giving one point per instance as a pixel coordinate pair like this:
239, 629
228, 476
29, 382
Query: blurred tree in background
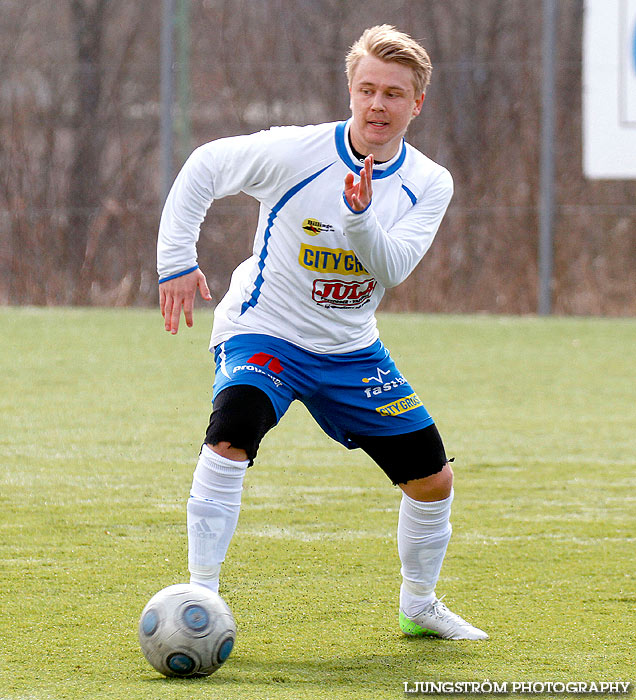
79, 129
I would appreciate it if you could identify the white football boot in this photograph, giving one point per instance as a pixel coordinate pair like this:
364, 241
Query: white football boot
436, 620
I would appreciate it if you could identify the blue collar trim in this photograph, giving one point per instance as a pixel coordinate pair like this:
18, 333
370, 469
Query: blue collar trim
343, 152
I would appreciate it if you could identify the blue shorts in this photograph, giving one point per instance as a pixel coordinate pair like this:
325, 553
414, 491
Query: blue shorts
354, 393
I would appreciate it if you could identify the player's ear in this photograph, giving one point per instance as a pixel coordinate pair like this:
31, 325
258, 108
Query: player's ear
419, 101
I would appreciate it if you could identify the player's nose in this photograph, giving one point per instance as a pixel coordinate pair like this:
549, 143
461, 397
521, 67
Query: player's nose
378, 103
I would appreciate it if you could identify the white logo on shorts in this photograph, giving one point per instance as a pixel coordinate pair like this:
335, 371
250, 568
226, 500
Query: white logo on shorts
377, 378
387, 386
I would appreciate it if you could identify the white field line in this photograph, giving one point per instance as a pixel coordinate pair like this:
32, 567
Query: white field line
481, 538
302, 535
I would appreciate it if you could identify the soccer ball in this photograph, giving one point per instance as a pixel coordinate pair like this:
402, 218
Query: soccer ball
186, 630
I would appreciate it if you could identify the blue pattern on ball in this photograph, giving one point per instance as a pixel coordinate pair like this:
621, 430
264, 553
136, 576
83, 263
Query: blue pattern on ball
150, 623
196, 617
226, 649
181, 664
185, 630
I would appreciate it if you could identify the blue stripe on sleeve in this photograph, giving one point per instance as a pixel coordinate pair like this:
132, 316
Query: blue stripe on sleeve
410, 194
178, 274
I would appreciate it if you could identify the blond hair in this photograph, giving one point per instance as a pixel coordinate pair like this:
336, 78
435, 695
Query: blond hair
389, 44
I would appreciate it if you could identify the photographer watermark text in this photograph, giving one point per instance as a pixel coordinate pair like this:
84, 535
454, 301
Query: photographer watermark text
487, 687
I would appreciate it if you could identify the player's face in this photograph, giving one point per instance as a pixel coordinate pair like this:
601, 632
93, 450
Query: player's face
383, 102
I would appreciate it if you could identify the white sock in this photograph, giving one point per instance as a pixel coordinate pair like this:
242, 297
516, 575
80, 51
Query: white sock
424, 531
212, 514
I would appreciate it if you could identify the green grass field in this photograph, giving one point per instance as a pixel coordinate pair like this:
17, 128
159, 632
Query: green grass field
102, 418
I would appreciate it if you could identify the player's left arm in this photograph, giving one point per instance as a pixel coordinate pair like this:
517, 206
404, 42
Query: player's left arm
391, 255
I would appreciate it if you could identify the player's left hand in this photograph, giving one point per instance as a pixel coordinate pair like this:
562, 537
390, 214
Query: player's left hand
359, 194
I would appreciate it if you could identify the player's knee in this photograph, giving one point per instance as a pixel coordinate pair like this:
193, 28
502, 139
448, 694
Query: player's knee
228, 451
435, 487
242, 415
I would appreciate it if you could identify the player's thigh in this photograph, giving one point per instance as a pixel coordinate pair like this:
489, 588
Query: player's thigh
364, 393
406, 457
252, 390
259, 361
242, 415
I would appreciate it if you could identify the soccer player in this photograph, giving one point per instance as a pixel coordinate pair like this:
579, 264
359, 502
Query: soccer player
347, 210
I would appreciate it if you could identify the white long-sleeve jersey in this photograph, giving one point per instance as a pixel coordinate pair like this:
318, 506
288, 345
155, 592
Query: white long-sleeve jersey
318, 269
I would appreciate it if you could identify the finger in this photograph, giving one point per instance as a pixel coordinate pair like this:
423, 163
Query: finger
167, 311
368, 167
350, 189
204, 289
364, 185
188, 306
162, 301
174, 316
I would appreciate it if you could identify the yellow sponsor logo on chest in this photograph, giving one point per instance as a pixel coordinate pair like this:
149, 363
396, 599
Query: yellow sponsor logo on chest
312, 227
332, 260
395, 408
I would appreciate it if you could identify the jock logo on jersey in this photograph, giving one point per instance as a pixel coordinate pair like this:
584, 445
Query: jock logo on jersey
312, 227
342, 295
336, 293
